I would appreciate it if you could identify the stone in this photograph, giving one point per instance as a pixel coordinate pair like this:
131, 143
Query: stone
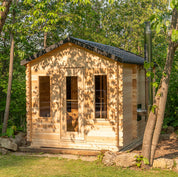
164, 137
109, 158
19, 139
163, 163
169, 163
126, 159
173, 136
8, 144
176, 164
3, 151
170, 129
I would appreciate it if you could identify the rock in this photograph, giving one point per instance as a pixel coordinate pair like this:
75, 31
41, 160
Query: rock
3, 151
170, 129
169, 163
164, 137
109, 158
163, 163
176, 164
19, 139
173, 136
126, 159
8, 144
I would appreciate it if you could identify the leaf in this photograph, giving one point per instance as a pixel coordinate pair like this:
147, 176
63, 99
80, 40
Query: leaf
158, 28
152, 17
2, 8
164, 74
174, 36
138, 165
111, 1
155, 84
153, 108
152, 75
148, 74
152, 64
146, 65
174, 4
145, 161
10, 132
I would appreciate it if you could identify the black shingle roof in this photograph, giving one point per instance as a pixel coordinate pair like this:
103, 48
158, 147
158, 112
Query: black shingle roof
114, 53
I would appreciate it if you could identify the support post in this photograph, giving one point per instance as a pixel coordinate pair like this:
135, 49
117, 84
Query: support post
28, 103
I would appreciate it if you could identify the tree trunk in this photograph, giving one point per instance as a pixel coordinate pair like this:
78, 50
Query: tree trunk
3, 14
6, 115
163, 90
155, 119
148, 134
45, 40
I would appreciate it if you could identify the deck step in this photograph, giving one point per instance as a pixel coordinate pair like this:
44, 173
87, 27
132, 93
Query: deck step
60, 151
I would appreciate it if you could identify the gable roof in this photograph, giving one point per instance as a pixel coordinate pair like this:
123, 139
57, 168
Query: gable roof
114, 53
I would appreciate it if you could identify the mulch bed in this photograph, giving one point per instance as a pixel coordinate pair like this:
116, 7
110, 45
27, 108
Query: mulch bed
165, 149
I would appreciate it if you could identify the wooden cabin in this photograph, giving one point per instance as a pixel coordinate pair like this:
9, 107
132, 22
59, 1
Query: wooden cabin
84, 95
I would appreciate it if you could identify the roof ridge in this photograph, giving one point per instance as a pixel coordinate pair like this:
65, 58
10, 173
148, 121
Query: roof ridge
106, 45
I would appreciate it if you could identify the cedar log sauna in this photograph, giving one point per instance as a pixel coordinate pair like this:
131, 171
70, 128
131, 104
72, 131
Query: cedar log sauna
84, 95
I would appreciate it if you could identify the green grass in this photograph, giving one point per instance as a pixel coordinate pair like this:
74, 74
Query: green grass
24, 166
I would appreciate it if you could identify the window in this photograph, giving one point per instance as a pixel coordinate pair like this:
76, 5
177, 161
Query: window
72, 103
44, 94
101, 96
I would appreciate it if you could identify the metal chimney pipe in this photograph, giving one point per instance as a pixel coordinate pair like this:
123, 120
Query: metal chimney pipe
148, 58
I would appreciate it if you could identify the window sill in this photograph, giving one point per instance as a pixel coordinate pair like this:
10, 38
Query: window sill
102, 121
44, 117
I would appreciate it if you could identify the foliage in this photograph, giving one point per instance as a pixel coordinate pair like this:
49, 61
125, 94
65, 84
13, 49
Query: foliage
171, 112
120, 24
161, 25
140, 159
10, 131
100, 156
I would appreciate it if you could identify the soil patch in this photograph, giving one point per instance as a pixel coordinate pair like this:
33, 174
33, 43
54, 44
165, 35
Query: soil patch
165, 149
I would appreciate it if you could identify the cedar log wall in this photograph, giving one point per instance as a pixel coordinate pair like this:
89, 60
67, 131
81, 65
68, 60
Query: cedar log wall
133, 94
28, 102
120, 128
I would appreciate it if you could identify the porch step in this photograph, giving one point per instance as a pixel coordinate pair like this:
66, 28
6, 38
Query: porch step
82, 152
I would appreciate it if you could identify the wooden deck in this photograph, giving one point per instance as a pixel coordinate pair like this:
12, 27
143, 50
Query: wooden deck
59, 151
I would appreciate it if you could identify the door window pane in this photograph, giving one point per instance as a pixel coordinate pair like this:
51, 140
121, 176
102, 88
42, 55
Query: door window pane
44, 94
72, 103
101, 96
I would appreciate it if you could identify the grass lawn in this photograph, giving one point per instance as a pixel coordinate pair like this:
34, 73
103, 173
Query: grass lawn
24, 166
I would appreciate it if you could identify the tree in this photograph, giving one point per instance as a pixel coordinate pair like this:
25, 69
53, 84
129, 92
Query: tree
4, 9
6, 115
29, 15
156, 115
